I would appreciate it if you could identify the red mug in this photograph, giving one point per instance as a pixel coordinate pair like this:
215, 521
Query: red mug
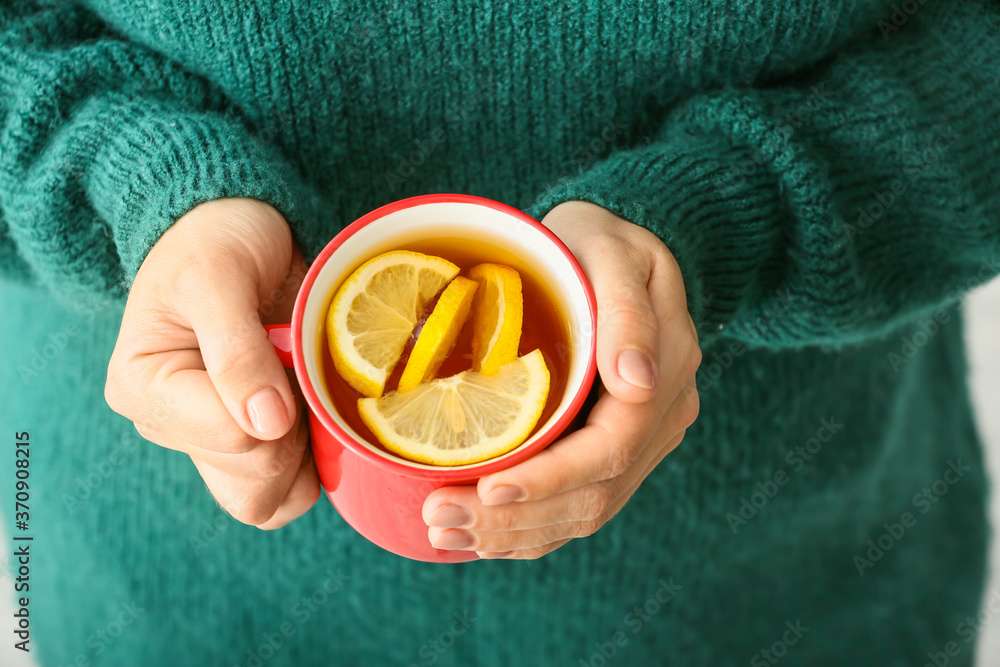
379, 494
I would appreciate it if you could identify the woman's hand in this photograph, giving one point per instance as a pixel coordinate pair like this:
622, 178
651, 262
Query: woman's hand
193, 367
647, 355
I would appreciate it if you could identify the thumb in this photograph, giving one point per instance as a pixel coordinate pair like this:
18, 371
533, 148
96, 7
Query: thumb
239, 358
628, 334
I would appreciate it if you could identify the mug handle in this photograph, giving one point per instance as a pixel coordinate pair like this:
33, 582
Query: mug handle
280, 336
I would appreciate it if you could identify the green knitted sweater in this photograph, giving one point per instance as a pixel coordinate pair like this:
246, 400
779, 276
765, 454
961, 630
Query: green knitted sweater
826, 173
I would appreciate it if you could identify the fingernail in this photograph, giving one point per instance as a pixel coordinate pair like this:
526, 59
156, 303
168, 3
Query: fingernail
504, 494
267, 413
454, 539
635, 368
450, 516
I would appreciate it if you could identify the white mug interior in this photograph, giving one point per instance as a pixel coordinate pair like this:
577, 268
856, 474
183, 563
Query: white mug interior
460, 221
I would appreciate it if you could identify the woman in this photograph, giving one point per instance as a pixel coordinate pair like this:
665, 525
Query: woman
794, 196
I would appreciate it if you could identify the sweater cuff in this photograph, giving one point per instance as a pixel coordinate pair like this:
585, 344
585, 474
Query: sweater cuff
155, 165
712, 204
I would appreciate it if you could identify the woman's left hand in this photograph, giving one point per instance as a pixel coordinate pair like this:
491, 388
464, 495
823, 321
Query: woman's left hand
647, 355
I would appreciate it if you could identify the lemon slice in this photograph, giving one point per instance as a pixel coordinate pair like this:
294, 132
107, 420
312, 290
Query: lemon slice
439, 333
497, 314
373, 314
464, 418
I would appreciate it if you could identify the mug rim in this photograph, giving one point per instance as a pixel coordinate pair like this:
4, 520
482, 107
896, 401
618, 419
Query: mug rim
400, 466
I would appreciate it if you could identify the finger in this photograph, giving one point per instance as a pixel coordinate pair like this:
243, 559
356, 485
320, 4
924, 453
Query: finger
606, 447
618, 257
677, 331
301, 497
609, 443
529, 538
455, 539
595, 503
646, 310
182, 410
581, 511
539, 541
537, 552
278, 307
523, 554
628, 346
239, 358
462, 509
250, 500
265, 459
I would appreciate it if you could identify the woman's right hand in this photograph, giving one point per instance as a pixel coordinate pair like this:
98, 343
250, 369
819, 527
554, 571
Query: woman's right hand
193, 367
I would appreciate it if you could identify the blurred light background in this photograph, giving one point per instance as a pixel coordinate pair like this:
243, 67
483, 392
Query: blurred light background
983, 335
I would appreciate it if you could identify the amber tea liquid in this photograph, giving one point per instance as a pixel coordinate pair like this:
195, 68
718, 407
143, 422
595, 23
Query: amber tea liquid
544, 327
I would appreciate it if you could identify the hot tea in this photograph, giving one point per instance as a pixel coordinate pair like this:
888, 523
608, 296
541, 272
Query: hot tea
543, 328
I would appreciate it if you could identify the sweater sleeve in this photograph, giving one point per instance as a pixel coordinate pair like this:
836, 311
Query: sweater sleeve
104, 143
830, 206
